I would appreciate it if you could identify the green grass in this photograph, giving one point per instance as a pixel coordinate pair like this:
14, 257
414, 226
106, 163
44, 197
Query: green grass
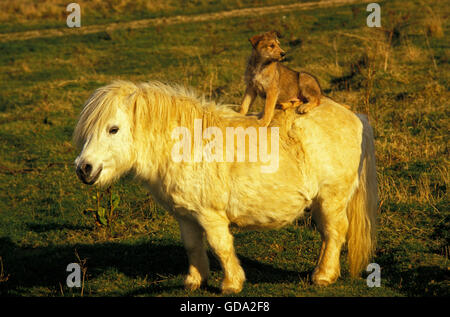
22, 15
44, 83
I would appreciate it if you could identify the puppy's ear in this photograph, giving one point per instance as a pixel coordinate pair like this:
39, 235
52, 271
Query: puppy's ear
255, 40
275, 34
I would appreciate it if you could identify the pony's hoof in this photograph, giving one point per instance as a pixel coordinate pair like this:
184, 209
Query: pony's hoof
322, 280
191, 283
228, 287
231, 290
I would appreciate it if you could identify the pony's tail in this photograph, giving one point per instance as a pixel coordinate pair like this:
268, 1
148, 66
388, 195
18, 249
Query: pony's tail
363, 207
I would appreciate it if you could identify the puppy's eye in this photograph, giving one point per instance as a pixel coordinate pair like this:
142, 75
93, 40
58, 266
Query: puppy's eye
113, 130
272, 46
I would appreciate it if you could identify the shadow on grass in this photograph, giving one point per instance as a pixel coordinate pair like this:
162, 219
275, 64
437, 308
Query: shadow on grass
423, 280
46, 266
40, 228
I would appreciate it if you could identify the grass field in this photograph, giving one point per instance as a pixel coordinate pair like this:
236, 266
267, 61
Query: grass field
397, 74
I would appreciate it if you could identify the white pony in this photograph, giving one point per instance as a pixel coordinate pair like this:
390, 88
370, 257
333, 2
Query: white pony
325, 162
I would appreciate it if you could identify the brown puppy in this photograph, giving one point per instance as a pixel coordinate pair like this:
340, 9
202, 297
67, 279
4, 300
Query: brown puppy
276, 83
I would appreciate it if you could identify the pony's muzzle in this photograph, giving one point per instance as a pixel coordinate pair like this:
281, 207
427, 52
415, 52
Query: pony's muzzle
86, 175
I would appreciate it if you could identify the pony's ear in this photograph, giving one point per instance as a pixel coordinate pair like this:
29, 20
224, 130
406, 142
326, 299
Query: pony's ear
255, 39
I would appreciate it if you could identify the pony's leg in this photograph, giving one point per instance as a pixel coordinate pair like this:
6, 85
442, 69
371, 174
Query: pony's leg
192, 235
221, 242
331, 219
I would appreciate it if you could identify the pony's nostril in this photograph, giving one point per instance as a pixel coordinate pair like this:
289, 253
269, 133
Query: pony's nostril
87, 169
86, 175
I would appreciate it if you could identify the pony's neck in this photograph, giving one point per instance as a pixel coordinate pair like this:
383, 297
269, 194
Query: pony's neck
155, 126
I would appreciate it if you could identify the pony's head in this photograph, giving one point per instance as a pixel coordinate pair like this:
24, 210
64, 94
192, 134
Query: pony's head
126, 126
104, 134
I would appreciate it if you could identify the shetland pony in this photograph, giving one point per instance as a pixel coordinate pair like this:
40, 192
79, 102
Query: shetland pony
325, 161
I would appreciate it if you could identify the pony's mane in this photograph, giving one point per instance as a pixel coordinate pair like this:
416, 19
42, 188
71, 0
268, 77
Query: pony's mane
174, 103
153, 104
102, 104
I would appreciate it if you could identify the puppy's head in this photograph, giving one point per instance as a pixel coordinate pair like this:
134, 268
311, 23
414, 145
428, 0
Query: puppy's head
267, 46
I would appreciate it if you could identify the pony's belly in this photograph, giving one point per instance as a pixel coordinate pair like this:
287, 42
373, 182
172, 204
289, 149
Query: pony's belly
249, 222
266, 213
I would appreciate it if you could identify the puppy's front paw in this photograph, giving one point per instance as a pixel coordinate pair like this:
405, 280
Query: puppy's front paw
263, 122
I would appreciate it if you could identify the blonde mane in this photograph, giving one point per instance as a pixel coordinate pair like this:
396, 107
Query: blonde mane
153, 106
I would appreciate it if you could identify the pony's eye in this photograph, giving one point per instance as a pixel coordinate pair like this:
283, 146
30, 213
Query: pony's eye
113, 130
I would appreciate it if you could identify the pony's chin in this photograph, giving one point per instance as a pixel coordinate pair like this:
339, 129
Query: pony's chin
104, 180
100, 183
